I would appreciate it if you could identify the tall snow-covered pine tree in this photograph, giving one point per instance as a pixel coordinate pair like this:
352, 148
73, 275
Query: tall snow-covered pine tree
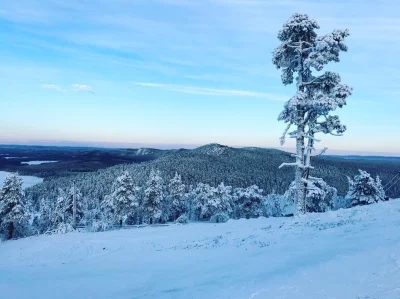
300, 53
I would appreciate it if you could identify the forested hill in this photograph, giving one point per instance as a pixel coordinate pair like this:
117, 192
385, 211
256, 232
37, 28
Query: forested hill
214, 163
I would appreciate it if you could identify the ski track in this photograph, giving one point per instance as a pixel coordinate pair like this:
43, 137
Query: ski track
351, 253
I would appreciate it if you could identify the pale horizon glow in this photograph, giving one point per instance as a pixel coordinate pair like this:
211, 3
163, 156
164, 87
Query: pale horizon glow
173, 72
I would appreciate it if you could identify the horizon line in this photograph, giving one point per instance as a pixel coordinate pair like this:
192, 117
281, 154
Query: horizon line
166, 146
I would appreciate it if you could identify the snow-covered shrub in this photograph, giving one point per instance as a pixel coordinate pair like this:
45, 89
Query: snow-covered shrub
364, 190
219, 218
63, 228
319, 195
99, 226
276, 205
182, 219
247, 202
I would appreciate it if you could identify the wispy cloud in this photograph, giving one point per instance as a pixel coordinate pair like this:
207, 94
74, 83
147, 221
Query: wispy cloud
74, 87
82, 87
213, 91
53, 87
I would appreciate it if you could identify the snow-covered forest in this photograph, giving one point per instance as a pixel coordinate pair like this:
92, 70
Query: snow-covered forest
159, 200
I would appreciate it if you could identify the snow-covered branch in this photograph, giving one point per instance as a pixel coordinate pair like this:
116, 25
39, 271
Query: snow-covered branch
312, 137
283, 137
290, 164
322, 152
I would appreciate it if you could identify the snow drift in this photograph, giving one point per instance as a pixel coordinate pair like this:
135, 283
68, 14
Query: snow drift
352, 253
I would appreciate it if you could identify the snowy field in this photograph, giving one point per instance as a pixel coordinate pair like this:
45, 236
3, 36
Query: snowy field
37, 162
351, 253
28, 181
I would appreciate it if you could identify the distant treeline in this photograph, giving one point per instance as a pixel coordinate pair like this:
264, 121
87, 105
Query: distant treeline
213, 164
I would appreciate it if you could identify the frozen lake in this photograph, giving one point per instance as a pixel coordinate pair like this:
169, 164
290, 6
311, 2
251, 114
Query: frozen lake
37, 162
28, 181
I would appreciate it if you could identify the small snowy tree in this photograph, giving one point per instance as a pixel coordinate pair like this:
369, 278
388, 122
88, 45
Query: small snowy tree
364, 190
380, 190
59, 215
301, 52
153, 197
44, 220
176, 194
198, 198
13, 214
320, 196
64, 207
277, 205
248, 202
122, 202
219, 202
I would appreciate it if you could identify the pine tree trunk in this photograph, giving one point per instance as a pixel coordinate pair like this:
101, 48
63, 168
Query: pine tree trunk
300, 186
10, 230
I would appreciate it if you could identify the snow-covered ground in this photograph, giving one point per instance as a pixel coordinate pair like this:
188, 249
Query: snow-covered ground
37, 162
351, 253
27, 181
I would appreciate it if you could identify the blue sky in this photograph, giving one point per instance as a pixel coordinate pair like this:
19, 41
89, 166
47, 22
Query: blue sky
170, 73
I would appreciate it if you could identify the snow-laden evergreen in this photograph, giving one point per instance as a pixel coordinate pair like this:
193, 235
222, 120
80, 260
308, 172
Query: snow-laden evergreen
162, 201
200, 197
154, 198
300, 53
60, 213
14, 216
219, 202
364, 189
123, 202
176, 195
320, 196
248, 202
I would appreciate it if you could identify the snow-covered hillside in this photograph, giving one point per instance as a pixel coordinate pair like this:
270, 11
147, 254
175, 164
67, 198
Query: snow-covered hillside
352, 253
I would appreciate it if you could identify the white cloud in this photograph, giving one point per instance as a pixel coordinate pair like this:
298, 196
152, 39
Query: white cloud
82, 87
213, 91
53, 87
74, 87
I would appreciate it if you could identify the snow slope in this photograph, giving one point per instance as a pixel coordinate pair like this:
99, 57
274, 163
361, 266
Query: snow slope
351, 253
